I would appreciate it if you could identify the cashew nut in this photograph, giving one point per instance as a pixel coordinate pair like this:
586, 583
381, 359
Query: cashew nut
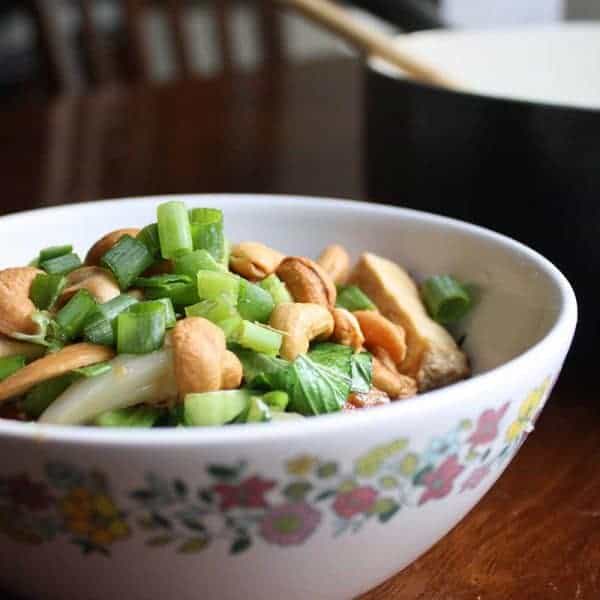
302, 322
104, 244
387, 378
201, 360
53, 365
358, 400
254, 260
15, 306
380, 332
10, 347
347, 329
307, 281
335, 261
98, 282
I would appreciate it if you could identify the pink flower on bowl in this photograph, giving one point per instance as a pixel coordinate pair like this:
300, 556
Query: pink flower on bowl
487, 426
248, 494
476, 476
23, 492
356, 501
289, 524
439, 482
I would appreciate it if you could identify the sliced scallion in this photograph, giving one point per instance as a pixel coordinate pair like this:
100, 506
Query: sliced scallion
93, 370
150, 238
100, 326
10, 365
41, 396
136, 416
127, 259
181, 289
259, 338
61, 265
353, 298
72, 317
45, 290
215, 408
213, 310
213, 285
277, 289
54, 252
445, 298
254, 303
207, 231
199, 260
276, 400
142, 329
174, 229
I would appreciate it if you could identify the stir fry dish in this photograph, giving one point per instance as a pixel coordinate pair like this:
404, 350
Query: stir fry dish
172, 326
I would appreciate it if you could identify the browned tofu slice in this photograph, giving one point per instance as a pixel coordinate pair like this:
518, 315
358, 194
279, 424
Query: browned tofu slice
432, 358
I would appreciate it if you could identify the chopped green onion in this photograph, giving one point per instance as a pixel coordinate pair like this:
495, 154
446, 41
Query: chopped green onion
353, 298
151, 306
213, 285
259, 338
127, 259
213, 310
93, 370
215, 408
141, 330
45, 290
135, 416
254, 303
207, 232
54, 252
41, 396
285, 416
445, 298
231, 326
72, 317
43, 321
160, 281
199, 260
276, 400
149, 237
181, 289
61, 265
258, 411
277, 289
100, 326
170, 317
174, 229
10, 365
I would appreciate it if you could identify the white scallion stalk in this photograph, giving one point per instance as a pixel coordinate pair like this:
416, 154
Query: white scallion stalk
132, 380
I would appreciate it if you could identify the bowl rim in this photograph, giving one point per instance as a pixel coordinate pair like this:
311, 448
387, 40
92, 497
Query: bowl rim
559, 335
376, 66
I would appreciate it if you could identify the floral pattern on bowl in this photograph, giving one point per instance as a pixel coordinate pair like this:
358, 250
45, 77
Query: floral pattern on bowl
240, 507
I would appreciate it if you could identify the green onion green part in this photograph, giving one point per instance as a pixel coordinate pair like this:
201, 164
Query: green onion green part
45, 290
445, 298
277, 289
215, 408
213, 310
254, 303
213, 285
181, 289
150, 238
199, 260
259, 338
258, 411
41, 396
10, 365
54, 252
127, 259
61, 265
136, 416
72, 317
276, 400
101, 324
207, 232
142, 329
353, 298
93, 370
174, 229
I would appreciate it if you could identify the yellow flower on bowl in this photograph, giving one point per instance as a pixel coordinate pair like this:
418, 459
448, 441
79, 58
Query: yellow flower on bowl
527, 412
301, 465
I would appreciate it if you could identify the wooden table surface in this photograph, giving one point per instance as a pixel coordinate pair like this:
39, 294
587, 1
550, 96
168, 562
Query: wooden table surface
536, 535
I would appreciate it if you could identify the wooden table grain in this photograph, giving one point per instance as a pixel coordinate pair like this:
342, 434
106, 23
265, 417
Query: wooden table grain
536, 535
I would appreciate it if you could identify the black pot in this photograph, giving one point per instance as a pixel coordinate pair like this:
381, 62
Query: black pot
528, 169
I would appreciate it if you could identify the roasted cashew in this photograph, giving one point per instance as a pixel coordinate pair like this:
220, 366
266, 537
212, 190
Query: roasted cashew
359, 400
97, 281
336, 262
51, 366
380, 332
254, 260
387, 378
105, 243
9, 347
201, 360
301, 322
307, 281
15, 306
347, 330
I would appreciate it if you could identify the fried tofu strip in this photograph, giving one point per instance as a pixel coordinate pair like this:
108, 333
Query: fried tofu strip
432, 357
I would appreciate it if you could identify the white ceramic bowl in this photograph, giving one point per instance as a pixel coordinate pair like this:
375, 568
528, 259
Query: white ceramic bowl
325, 508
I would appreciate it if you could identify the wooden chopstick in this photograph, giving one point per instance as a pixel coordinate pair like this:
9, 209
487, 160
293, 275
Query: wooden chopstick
373, 42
